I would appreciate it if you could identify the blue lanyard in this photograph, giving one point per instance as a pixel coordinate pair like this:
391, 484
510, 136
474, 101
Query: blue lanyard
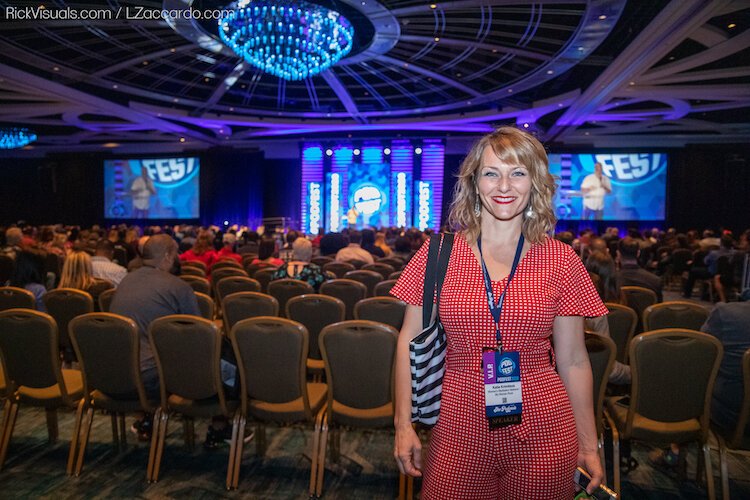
497, 308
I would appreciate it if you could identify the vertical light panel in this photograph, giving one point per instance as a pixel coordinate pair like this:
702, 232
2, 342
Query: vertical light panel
433, 164
340, 162
334, 203
312, 171
424, 202
372, 154
402, 167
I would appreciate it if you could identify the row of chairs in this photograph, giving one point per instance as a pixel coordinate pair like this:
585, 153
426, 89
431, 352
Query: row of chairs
271, 353
674, 370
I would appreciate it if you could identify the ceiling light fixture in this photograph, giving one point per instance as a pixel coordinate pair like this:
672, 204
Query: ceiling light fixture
290, 39
12, 138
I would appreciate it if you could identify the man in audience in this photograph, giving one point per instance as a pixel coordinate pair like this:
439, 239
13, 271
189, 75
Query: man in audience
102, 266
13, 242
711, 261
227, 250
148, 293
631, 274
354, 251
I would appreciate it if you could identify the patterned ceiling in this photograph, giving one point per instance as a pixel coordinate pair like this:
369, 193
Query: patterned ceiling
586, 72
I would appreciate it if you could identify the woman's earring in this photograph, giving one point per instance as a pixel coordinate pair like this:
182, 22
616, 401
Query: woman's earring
530, 214
477, 207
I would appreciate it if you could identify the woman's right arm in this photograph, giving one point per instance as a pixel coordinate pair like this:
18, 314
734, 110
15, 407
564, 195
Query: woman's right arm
408, 448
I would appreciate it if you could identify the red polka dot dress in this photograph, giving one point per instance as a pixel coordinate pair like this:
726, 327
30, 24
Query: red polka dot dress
536, 458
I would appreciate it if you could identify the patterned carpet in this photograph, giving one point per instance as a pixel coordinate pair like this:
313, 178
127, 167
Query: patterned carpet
35, 469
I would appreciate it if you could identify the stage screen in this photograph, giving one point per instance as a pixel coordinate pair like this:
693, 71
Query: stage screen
153, 188
625, 187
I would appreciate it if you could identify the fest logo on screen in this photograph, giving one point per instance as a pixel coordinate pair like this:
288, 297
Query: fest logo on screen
631, 168
170, 172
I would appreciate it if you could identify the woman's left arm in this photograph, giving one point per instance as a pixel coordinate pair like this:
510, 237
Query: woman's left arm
575, 371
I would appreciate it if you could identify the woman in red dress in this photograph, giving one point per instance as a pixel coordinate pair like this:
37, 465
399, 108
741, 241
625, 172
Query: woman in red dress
503, 198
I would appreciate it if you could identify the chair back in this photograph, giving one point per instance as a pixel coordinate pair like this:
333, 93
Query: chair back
673, 374
30, 349
639, 298
383, 289
395, 276
263, 276
233, 284
367, 278
740, 438
108, 351
271, 355
197, 283
622, 321
191, 270
225, 272
674, 314
348, 291
194, 263
359, 359
206, 305
243, 305
388, 310
321, 261
397, 263
105, 299
187, 351
251, 269
6, 268
315, 311
226, 262
381, 268
64, 304
284, 289
12, 297
601, 352
338, 268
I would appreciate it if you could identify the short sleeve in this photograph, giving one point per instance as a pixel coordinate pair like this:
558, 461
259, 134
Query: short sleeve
410, 284
578, 295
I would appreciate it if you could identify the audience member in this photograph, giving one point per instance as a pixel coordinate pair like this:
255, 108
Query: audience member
29, 274
368, 243
227, 250
300, 268
331, 243
354, 251
267, 252
711, 261
631, 274
202, 251
102, 265
13, 242
77, 272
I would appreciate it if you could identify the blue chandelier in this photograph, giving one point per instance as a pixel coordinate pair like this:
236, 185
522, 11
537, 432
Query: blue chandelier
290, 39
12, 138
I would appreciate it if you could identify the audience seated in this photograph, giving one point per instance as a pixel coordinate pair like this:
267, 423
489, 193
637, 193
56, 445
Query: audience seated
300, 267
29, 274
77, 272
267, 253
354, 251
631, 274
202, 251
102, 266
227, 250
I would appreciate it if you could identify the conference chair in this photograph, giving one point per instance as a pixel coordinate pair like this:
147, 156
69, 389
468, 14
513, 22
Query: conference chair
338, 268
206, 305
601, 351
321, 261
639, 298
251, 269
6, 268
348, 291
108, 351
285, 289
187, 350
197, 283
673, 374
64, 304
381, 268
233, 284
622, 322
738, 438
357, 263
367, 278
397, 263
271, 358
12, 297
315, 312
264, 276
105, 299
243, 305
383, 289
226, 272
674, 314
191, 271
388, 310
30, 354
194, 263
359, 386
394, 276
226, 262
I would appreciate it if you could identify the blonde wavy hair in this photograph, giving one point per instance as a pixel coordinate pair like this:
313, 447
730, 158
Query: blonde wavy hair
77, 272
514, 146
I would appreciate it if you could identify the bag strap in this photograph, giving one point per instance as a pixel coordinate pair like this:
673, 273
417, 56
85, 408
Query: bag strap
437, 265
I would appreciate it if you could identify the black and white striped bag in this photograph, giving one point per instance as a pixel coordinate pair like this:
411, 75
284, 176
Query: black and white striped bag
427, 350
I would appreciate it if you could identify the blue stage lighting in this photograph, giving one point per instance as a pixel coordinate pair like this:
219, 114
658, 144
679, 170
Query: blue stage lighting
12, 138
290, 39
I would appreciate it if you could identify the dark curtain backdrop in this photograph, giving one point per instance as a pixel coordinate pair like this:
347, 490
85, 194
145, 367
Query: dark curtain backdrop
708, 186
